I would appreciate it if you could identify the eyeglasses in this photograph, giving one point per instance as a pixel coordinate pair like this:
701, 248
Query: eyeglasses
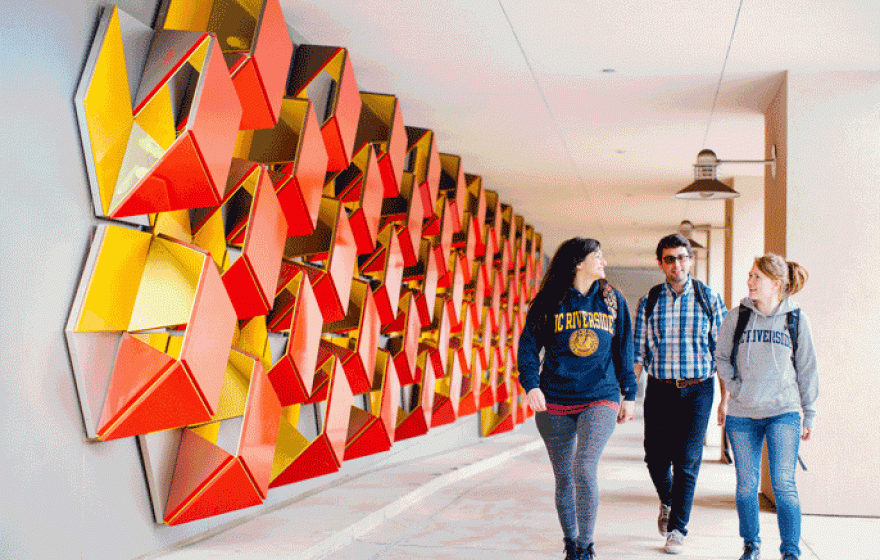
670, 259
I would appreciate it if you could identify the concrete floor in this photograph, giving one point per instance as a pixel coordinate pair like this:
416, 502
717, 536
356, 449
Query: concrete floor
494, 499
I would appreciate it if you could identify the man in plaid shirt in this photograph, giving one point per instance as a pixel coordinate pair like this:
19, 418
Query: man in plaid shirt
676, 327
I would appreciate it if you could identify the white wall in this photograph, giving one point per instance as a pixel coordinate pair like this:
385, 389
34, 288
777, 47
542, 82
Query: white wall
828, 126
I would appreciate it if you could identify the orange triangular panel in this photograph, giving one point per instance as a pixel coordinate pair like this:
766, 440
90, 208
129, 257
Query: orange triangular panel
148, 392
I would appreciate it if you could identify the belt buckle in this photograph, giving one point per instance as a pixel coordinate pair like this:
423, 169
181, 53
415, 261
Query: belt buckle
680, 383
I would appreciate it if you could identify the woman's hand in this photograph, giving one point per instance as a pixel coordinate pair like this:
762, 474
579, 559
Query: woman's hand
805, 433
536, 401
627, 411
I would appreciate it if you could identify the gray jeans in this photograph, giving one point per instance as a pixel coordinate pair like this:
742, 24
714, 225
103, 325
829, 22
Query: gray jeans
575, 443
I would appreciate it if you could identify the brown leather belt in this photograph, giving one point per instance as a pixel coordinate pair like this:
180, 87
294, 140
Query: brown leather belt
682, 383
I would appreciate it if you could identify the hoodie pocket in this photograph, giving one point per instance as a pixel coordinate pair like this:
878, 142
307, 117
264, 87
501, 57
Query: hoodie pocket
764, 388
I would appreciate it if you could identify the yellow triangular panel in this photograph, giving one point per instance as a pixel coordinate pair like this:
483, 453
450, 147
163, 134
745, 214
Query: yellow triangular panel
174, 224
113, 286
212, 237
209, 432
108, 110
157, 118
291, 443
233, 396
168, 286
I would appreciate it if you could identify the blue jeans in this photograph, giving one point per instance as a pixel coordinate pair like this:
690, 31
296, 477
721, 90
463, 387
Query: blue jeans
675, 428
783, 438
574, 443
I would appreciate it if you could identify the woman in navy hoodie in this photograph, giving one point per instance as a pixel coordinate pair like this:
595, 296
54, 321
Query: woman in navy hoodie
772, 378
583, 326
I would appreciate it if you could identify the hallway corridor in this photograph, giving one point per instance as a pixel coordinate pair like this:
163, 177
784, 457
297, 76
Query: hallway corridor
494, 499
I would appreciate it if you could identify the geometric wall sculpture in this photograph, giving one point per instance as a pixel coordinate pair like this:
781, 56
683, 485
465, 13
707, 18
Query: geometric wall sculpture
283, 276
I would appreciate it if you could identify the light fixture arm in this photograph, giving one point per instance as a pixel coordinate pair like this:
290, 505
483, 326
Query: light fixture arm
771, 162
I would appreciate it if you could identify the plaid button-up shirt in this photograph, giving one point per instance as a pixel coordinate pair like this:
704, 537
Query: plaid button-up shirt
674, 343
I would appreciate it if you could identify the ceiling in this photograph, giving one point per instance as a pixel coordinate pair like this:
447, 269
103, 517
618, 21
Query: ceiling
587, 116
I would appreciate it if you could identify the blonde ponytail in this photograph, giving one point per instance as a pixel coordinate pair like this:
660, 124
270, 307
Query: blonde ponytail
792, 275
797, 277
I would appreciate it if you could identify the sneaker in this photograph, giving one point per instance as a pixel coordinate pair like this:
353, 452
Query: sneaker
674, 542
571, 549
663, 519
587, 553
790, 556
751, 551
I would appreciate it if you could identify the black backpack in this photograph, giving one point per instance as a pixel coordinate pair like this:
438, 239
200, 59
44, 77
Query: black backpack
701, 291
792, 318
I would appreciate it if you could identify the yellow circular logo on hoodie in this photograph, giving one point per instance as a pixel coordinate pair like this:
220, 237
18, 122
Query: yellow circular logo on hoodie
583, 342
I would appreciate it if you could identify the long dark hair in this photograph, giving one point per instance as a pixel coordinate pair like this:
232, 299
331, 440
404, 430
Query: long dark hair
559, 278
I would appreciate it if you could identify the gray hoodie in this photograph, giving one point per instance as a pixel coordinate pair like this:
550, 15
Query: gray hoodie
766, 383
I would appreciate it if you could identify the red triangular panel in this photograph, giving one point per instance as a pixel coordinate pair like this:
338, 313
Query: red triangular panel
413, 425
371, 439
198, 461
229, 490
316, 460
443, 412
149, 196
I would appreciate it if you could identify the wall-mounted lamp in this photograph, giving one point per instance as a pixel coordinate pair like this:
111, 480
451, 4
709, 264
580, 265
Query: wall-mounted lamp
706, 186
686, 228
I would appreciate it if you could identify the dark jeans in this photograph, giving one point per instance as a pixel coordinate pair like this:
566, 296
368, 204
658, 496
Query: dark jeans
575, 443
675, 427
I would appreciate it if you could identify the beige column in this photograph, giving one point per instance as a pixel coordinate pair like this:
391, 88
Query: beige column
823, 211
744, 217
731, 251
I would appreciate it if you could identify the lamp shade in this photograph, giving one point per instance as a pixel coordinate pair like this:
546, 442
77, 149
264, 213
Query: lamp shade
706, 186
707, 189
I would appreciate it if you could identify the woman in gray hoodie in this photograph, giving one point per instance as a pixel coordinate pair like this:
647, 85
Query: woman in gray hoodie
771, 375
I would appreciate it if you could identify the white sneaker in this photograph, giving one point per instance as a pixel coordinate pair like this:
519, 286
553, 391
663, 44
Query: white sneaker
663, 519
674, 542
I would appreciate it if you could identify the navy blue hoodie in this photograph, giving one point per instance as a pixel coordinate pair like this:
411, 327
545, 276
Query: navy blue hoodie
588, 356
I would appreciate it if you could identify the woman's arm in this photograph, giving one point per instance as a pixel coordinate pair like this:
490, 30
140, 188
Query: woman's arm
528, 358
807, 372
622, 347
724, 347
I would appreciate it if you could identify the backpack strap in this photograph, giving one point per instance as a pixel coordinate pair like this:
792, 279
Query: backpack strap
741, 321
651, 302
701, 292
792, 319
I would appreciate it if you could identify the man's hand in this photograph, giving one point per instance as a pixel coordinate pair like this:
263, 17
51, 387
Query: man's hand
722, 412
536, 401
